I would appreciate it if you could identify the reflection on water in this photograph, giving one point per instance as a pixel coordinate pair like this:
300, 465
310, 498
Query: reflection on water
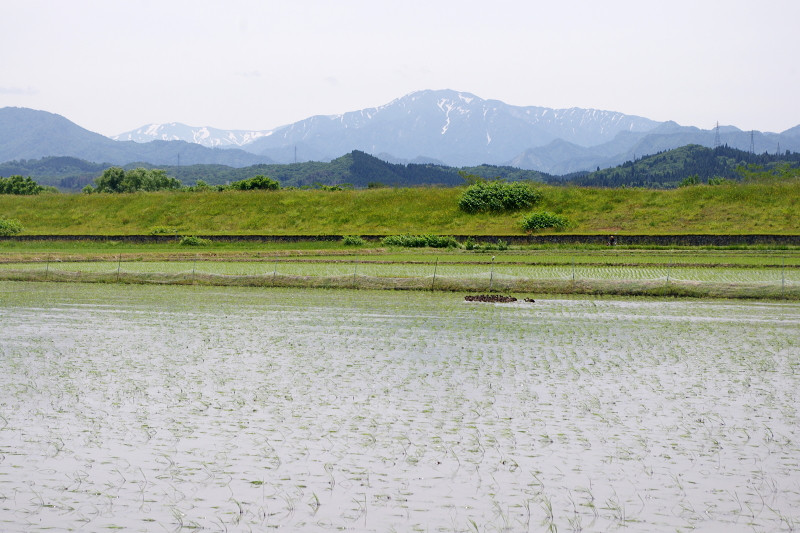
160, 408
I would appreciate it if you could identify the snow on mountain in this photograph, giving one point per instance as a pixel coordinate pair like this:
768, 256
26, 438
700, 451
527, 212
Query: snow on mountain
206, 136
458, 128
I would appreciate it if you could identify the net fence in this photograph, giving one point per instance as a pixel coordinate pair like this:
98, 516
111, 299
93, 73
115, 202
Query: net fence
749, 282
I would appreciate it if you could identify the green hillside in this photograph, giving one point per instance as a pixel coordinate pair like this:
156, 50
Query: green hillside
668, 169
357, 168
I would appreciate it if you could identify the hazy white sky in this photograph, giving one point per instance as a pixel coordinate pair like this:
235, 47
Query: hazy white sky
112, 66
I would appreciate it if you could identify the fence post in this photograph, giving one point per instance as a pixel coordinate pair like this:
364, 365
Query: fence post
435, 267
573, 273
491, 275
669, 267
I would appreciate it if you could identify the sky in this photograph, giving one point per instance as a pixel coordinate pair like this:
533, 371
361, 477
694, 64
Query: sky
113, 66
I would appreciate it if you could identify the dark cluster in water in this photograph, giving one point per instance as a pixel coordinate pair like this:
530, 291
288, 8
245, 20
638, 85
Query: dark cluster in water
494, 298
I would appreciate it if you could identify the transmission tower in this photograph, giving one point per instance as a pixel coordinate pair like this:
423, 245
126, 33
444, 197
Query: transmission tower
778, 152
717, 142
752, 142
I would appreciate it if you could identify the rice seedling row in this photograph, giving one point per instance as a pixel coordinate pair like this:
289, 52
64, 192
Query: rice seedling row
224, 408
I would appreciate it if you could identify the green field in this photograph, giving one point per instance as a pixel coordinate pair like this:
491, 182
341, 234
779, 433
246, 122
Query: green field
728, 209
717, 273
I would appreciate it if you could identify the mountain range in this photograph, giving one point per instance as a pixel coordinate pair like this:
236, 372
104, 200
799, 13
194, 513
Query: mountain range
426, 127
30, 134
460, 129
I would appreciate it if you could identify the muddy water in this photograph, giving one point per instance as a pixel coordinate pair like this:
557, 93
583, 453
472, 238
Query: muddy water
161, 408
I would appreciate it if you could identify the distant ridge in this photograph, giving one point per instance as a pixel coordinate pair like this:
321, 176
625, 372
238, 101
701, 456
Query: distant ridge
460, 129
356, 168
668, 168
30, 134
442, 127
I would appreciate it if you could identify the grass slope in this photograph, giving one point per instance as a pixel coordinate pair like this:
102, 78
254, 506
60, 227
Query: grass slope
734, 209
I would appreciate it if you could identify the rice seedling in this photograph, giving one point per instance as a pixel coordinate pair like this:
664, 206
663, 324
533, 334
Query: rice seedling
249, 408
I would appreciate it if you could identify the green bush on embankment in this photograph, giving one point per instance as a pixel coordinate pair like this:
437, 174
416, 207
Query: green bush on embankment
727, 208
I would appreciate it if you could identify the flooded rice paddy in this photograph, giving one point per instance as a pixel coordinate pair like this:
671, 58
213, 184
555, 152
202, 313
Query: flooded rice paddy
768, 275
227, 409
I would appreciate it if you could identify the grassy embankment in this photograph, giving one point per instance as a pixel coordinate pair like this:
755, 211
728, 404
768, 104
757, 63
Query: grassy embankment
731, 209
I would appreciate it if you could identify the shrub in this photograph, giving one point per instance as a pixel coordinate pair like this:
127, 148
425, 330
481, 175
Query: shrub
116, 180
255, 183
420, 241
471, 244
499, 245
10, 227
162, 230
353, 240
193, 240
20, 185
498, 196
338, 187
716, 180
544, 219
689, 181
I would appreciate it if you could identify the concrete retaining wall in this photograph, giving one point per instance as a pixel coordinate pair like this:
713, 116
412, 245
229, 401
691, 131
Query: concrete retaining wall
653, 240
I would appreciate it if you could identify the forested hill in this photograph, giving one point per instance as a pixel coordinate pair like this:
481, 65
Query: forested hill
667, 169
357, 168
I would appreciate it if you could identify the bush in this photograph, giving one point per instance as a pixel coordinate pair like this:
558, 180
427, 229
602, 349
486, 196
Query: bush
20, 185
162, 230
353, 240
716, 180
420, 241
471, 244
255, 183
544, 219
192, 240
117, 180
339, 187
689, 181
10, 227
498, 196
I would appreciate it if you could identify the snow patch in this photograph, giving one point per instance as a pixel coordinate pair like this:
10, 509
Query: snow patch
446, 106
